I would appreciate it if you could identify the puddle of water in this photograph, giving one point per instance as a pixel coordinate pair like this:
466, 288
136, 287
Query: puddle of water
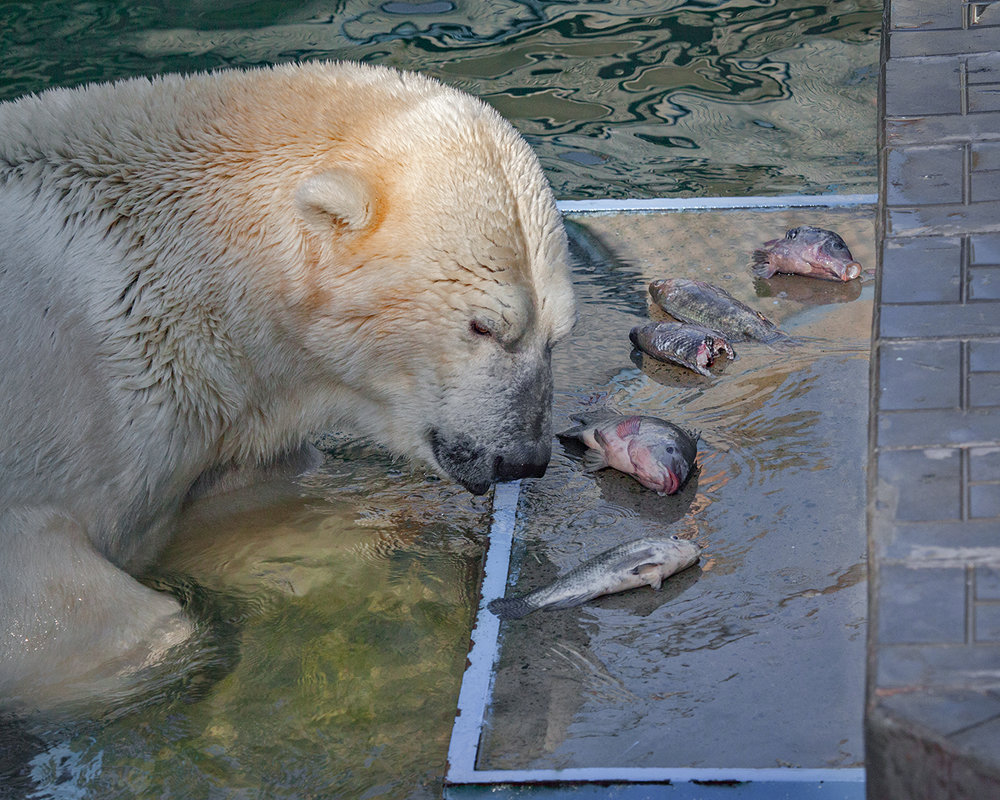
628, 99
755, 658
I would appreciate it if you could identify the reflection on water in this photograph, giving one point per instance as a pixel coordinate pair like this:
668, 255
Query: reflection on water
628, 99
334, 623
732, 663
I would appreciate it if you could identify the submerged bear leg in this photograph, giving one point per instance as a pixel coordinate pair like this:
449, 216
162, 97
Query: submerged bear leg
75, 625
221, 480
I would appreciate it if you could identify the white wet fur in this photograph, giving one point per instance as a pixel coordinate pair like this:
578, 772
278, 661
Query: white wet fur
200, 272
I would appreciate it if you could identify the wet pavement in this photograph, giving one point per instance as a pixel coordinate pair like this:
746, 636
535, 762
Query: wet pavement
933, 702
723, 673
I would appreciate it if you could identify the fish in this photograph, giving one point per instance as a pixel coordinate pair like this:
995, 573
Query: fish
640, 562
655, 452
805, 250
701, 303
691, 346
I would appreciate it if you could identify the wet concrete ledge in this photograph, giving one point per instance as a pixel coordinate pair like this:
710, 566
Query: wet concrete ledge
933, 699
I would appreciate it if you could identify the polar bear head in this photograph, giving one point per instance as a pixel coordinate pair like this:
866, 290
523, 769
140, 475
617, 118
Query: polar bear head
435, 281
287, 250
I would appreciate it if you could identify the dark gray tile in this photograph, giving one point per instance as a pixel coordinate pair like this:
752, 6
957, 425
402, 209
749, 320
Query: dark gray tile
987, 583
904, 44
985, 186
951, 541
943, 220
984, 500
924, 14
984, 355
984, 389
938, 428
933, 320
920, 484
984, 465
924, 175
984, 283
945, 711
984, 97
981, 740
934, 666
984, 249
987, 622
920, 375
918, 86
927, 269
921, 605
985, 156
983, 68
954, 127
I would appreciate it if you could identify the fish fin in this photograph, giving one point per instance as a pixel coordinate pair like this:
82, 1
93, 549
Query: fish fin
760, 264
627, 427
649, 573
571, 601
584, 421
593, 461
510, 607
628, 562
571, 433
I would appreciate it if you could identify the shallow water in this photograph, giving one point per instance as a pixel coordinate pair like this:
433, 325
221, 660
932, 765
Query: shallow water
334, 619
335, 615
637, 98
754, 658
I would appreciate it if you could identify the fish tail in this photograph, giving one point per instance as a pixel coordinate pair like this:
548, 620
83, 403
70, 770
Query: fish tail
760, 264
510, 607
782, 341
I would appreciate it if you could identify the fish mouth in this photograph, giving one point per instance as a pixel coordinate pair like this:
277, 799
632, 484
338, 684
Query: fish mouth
852, 271
671, 483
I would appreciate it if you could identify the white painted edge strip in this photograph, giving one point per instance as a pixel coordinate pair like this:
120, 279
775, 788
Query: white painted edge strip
610, 206
477, 689
477, 683
605, 775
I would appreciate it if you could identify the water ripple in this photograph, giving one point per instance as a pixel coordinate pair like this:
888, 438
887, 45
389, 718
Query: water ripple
637, 99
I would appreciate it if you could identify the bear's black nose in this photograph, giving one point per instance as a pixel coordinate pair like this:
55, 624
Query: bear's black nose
525, 461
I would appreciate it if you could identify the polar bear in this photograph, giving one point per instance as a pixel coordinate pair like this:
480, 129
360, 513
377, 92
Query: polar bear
198, 273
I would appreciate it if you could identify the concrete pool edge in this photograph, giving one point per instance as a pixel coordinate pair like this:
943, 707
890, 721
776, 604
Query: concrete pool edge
932, 720
759, 203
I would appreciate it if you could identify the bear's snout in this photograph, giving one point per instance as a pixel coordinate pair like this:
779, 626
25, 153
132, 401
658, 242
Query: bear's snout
525, 461
477, 467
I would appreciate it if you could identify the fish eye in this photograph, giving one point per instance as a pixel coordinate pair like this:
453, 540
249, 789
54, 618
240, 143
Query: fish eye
676, 538
792, 233
479, 328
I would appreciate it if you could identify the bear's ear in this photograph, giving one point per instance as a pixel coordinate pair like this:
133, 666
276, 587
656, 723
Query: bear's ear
335, 198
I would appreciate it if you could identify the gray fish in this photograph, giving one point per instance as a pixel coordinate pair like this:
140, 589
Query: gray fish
805, 250
640, 562
655, 452
703, 304
691, 346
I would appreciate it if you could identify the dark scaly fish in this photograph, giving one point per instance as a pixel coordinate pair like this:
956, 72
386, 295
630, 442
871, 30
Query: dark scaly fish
805, 250
704, 304
640, 562
691, 346
655, 452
